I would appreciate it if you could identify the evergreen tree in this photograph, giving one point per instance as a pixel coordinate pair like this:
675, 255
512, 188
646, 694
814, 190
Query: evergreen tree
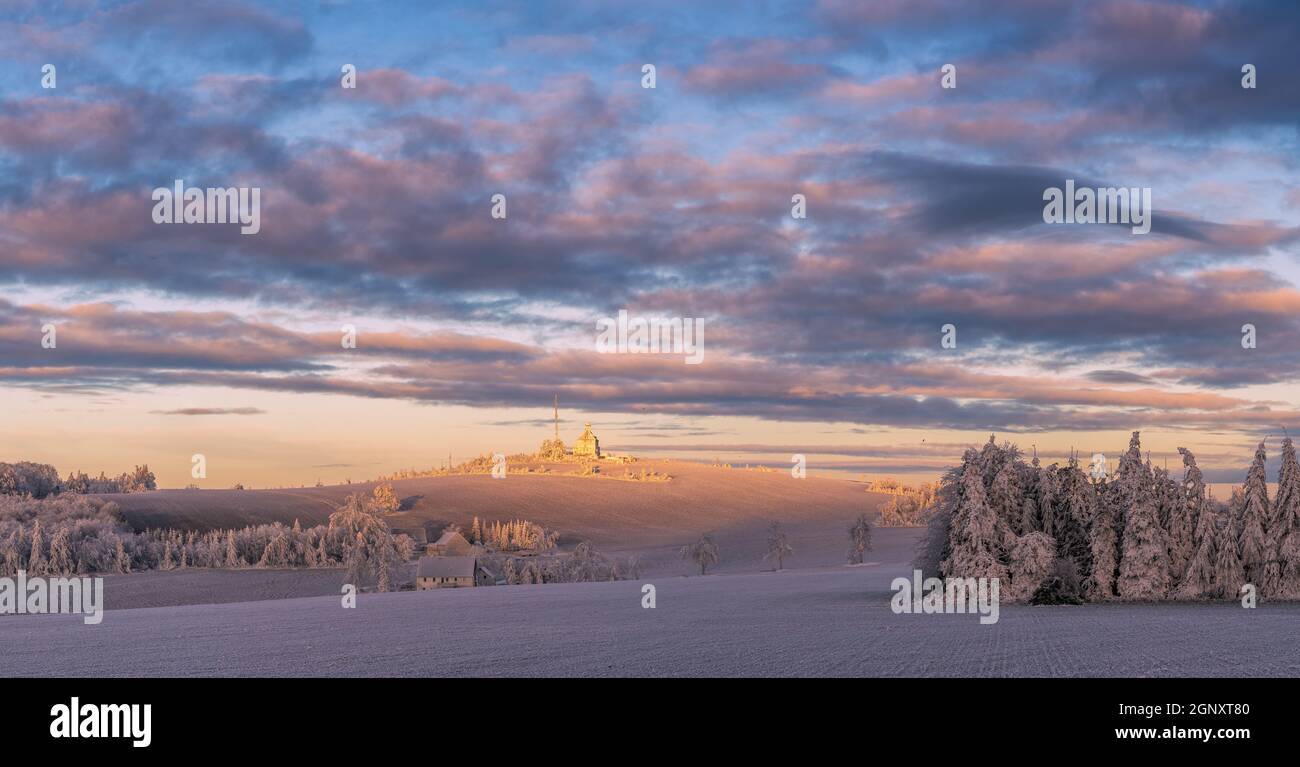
121, 560
384, 499
169, 555
936, 545
36, 559
976, 542
1144, 564
1005, 497
1198, 579
1030, 563
1045, 490
1130, 479
1252, 543
1103, 545
1073, 507
1229, 575
232, 552
12, 560
61, 553
1282, 575
1184, 504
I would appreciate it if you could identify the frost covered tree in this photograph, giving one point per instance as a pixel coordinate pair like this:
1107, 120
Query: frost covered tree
355, 562
859, 540
1103, 545
992, 457
1073, 507
168, 561
385, 499
1198, 578
1168, 498
232, 552
1006, 497
370, 549
276, 553
61, 553
1186, 501
935, 546
36, 557
11, 559
778, 546
1252, 543
704, 553
1229, 575
122, 560
1131, 478
1030, 563
1114, 501
1040, 509
1282, 574
977, 542
1144, 560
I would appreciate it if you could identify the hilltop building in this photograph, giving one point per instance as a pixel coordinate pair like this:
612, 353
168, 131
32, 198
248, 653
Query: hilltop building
587, 445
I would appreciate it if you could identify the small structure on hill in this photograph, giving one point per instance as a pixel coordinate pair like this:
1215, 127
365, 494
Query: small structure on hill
450, 544
445, 573
587, 445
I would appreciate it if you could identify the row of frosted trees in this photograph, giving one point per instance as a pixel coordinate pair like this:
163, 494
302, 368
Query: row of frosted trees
69, 535
40, 480
514, 535
1053, 534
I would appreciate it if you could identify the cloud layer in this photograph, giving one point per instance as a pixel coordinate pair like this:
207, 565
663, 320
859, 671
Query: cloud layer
924, 207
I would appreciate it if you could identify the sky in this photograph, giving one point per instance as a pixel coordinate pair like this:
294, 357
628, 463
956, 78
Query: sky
822, 335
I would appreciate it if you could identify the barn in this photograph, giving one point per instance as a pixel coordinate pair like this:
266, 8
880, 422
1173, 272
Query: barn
444, 573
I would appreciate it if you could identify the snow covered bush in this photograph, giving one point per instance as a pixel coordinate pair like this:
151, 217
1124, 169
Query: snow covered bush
1061, 586
1030, 563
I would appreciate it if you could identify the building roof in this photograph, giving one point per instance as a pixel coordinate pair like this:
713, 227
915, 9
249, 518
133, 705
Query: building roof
449, 538
445, 567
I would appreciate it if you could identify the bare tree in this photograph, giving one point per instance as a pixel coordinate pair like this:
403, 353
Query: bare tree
859, 540
703, 552
778, 547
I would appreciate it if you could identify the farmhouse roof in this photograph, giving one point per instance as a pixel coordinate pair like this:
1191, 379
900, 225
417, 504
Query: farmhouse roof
451, 537
445, 567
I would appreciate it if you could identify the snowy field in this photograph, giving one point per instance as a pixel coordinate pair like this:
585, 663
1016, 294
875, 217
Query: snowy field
828, 621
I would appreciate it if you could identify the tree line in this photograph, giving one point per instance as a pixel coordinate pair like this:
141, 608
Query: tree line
40, 480
70, 534
1057, 535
